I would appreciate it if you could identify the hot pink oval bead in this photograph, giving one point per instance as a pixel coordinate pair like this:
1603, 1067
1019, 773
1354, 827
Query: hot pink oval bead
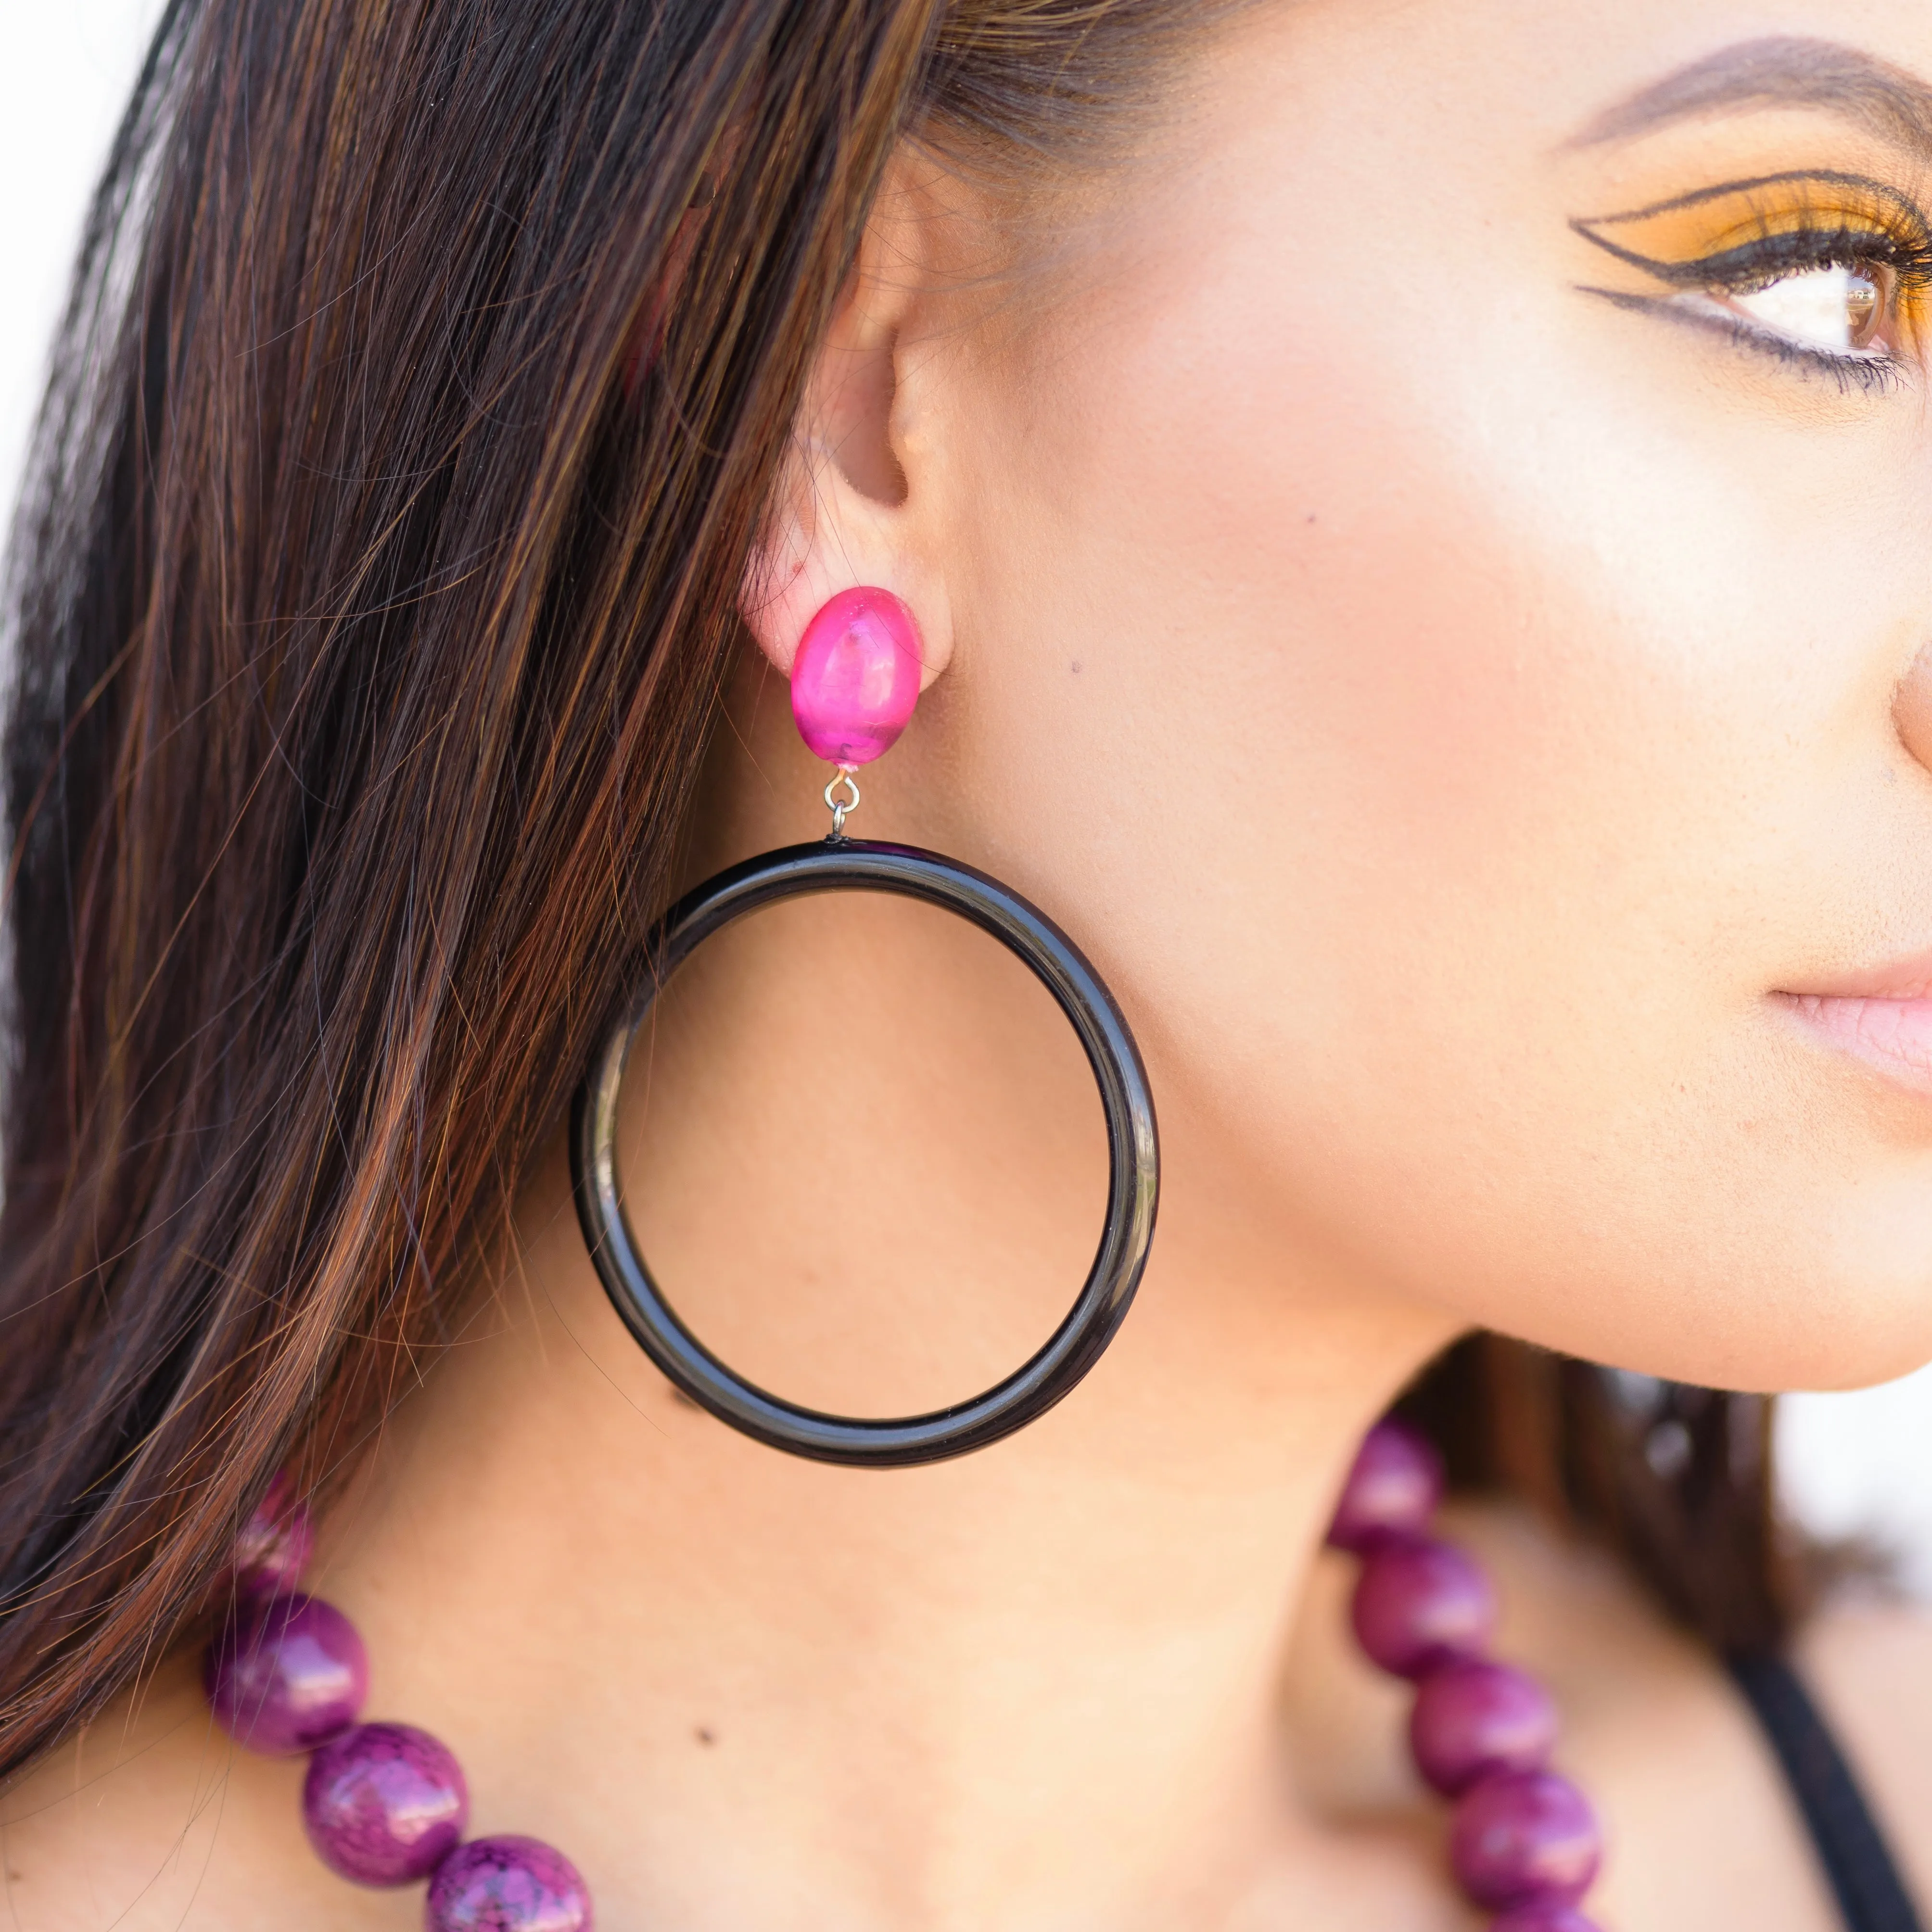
507, 1884
1420, 1604
288, 1674
385, 1803
1473, 1719
855, 679
1524, 1838
1393, 1489
274, 1549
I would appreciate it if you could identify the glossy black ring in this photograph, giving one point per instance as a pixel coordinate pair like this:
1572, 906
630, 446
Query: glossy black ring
1133, 1154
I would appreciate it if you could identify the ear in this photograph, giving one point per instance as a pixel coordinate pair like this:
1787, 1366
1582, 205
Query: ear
855, 502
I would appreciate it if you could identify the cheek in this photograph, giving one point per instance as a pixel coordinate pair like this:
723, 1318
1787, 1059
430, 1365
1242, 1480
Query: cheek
1448, 801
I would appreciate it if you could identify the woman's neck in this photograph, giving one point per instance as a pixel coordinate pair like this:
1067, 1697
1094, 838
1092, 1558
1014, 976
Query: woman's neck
1035, 1687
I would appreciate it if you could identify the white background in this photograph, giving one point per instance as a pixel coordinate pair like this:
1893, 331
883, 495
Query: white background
66, 69
1857, 1462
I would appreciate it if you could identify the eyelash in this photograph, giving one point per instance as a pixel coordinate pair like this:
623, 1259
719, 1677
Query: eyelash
1866, 374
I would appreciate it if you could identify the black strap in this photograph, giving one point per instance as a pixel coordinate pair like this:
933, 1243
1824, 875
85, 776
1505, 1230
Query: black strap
1870, 1892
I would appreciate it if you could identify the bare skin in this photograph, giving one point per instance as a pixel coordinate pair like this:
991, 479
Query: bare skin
1462, 688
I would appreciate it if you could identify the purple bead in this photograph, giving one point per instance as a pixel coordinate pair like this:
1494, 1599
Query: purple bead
385, 1803
506, 1885
1420, 1604
1543, 1918
1523, 1838
289, 1674
1474, 1719
1393, 1489
273, 1551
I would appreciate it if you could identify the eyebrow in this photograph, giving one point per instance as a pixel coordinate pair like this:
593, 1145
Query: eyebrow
1780, 71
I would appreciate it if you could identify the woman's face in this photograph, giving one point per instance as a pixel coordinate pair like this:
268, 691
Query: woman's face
1449, 642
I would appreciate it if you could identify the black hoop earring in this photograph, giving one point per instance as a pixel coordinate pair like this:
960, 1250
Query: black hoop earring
1133, 1184
839, 864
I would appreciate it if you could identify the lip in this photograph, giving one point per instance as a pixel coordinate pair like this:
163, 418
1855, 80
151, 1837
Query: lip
1910, 978
1882, 1017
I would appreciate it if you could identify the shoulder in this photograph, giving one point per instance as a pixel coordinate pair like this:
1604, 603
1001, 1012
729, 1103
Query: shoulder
1869, 1665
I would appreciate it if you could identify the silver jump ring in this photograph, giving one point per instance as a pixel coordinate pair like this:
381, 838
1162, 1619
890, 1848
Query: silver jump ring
841, 808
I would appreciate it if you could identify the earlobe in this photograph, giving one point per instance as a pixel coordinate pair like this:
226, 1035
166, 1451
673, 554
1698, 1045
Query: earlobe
828, 539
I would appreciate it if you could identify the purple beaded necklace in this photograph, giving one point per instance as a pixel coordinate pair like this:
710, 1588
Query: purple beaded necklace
386, 1805
1524, 1842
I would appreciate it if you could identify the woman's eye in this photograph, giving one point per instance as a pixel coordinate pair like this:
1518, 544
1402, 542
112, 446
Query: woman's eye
1841, 309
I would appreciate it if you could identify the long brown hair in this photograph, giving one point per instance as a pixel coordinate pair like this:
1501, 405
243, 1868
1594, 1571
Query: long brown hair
370, 604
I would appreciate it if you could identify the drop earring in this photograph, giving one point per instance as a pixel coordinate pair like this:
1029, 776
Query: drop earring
855, 682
